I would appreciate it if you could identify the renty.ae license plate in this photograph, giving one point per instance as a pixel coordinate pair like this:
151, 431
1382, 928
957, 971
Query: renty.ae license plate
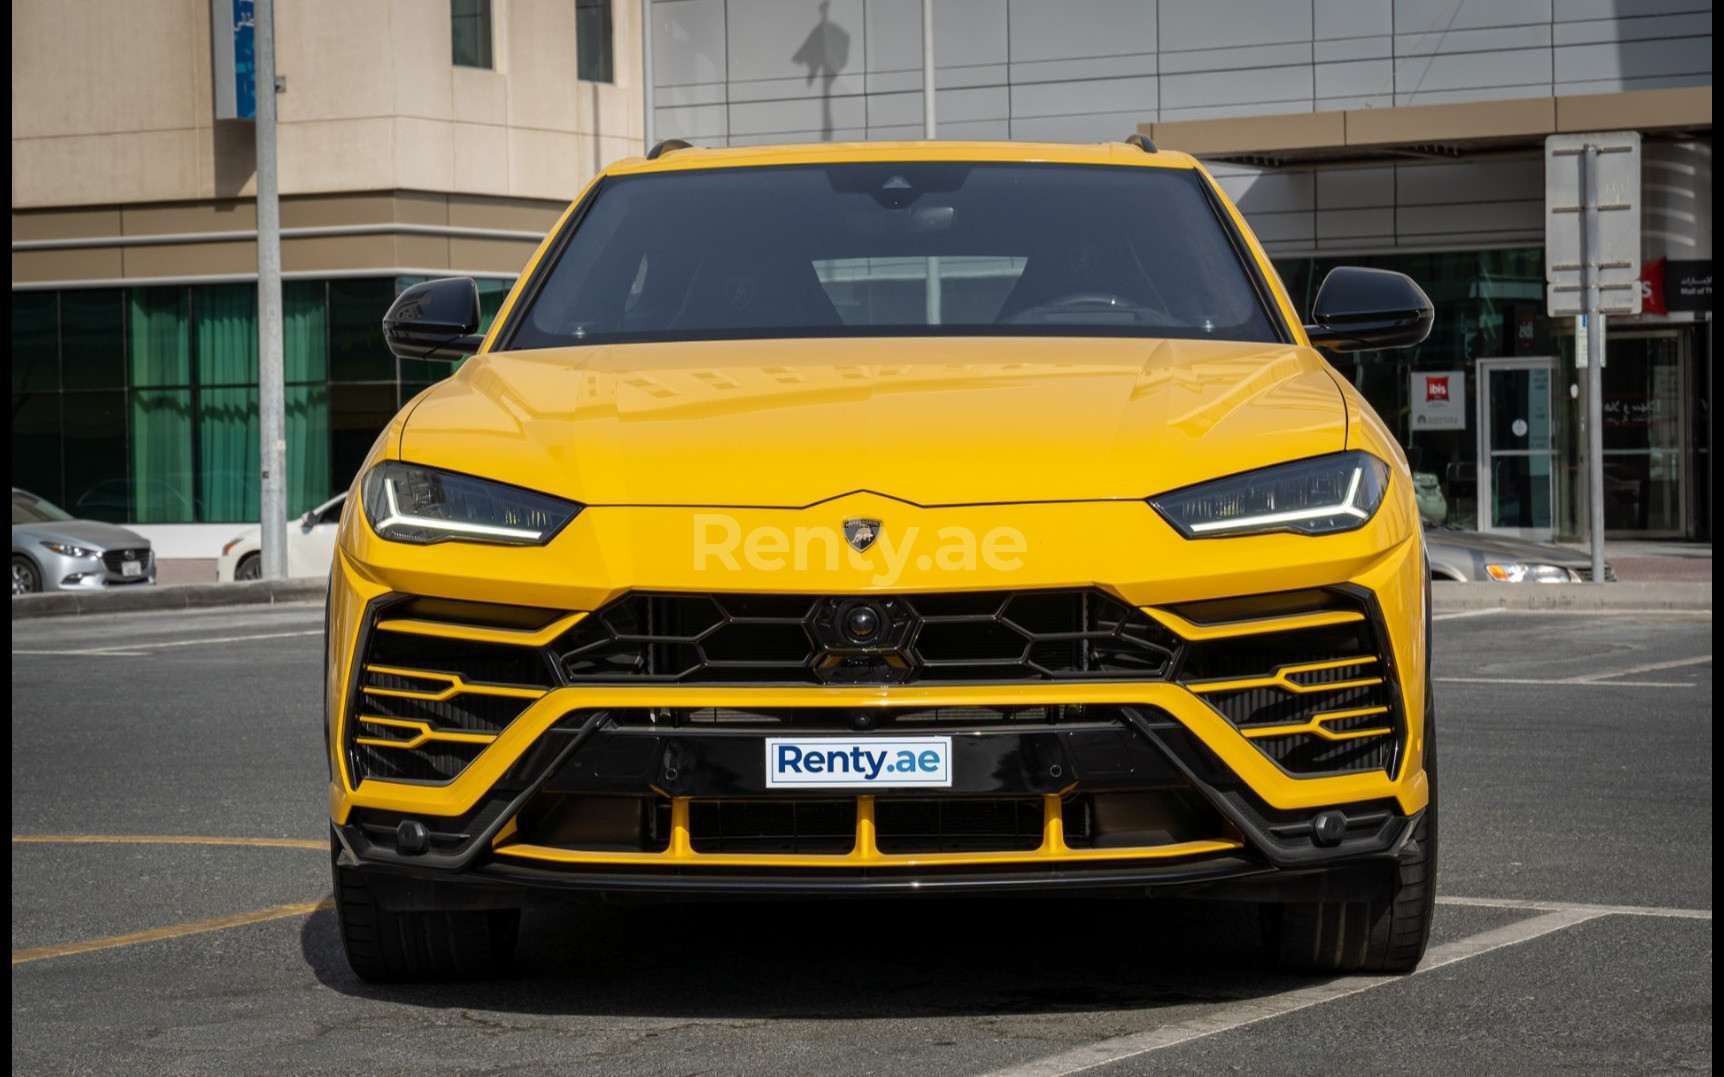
131, 568
858, 762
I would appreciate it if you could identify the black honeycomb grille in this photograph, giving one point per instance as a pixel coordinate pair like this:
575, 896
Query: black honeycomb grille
997, 636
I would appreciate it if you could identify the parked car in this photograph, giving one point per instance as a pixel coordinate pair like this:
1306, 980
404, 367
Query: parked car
1476, 556
310, 545
1071, 567
52, 551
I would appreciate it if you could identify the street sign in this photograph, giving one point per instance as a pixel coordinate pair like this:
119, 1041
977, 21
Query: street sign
1618, 199
232, 42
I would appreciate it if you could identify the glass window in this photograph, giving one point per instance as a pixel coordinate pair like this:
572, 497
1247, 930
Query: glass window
470, 32
228, 449
160, 337
95, 455
357, 351
825, 250
35, 341
37, 444
225, 317
161, 489
307, 431
305, 330
593, 36
92, 339
357, 414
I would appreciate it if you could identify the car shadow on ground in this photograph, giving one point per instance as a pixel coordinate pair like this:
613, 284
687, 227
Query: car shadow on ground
853, 959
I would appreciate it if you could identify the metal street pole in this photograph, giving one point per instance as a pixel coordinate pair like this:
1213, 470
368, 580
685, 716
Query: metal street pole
934, 298
1594, 358
647, 103
927, 68
272, 445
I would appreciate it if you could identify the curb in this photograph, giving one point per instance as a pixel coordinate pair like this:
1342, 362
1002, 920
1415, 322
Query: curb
1575, 597
183, 596
1445, 597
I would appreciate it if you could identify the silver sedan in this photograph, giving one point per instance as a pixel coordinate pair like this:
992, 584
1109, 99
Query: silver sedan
51, 551
1471, 555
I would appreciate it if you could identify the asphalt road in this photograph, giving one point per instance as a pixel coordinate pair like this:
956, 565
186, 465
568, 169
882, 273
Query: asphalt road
1574, 934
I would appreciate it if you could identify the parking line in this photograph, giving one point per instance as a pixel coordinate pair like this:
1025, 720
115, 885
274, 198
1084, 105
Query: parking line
1567, 906
1650, 667
1251, 1011
175, 931
1467, 613
134, 649
164, 839
1564, 682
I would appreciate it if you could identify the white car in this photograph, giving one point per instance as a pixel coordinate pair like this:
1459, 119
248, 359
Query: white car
310, 546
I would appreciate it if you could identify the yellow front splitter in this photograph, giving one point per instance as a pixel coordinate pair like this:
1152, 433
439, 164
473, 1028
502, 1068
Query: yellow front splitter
864, 854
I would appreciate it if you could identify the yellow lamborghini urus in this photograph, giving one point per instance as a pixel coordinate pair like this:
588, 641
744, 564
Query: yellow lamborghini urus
886, 519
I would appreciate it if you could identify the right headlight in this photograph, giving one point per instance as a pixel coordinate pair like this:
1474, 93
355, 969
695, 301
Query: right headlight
1324, 495
411, 503
1521, 572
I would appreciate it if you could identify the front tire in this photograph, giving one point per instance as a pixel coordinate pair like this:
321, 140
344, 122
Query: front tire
1387, 933
388, 946
26, 579
250, 567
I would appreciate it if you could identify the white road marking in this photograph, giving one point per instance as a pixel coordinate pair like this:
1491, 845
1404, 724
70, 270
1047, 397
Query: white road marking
1251, 1011
1566, 682
135, 649
1467, 613
1571, 906
1648, 668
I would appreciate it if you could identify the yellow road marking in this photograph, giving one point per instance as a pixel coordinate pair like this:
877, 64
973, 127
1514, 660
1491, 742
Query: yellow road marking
162, 839
193, 927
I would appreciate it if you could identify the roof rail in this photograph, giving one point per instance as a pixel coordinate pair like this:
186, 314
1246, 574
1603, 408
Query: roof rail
1141, 141
665, 146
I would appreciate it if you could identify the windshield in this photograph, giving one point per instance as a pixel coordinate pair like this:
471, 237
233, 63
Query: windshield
896, 248
30, 509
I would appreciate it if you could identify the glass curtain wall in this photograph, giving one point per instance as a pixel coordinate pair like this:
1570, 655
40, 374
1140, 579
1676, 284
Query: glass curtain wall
140, 405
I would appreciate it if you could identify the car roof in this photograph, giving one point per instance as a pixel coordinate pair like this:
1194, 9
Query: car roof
1098, 153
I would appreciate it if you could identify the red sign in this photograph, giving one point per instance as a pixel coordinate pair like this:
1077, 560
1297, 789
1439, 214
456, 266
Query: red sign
1436, 387
1652, 287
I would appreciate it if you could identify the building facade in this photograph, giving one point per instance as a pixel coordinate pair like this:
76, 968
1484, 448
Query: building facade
423, 137
416, 138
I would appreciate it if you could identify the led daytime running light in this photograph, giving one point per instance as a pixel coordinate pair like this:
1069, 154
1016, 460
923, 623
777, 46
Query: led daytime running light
397, 518
1348, 506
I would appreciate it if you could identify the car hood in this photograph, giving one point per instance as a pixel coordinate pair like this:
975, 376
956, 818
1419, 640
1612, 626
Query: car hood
1500, 549
928, 421
89, 533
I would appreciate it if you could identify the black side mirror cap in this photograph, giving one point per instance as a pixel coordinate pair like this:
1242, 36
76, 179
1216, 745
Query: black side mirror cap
1364, 309
438, 319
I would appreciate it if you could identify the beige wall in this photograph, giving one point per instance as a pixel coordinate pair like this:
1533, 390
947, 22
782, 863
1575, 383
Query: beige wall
112, 103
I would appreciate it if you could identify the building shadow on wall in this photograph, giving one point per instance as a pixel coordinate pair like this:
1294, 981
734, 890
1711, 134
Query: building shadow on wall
824, 53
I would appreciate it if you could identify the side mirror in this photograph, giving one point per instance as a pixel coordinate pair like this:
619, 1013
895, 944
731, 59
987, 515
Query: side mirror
1363, 309
435, 320
309, 520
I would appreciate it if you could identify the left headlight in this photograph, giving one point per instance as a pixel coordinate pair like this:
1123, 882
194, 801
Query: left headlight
410, 503
1320, 496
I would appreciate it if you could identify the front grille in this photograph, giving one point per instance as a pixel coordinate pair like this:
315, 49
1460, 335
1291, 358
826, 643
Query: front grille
996, 636
116, 559
1011, 824
1317, 698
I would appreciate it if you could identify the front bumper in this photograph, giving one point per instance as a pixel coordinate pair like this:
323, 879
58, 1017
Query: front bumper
62, 573
1253, 815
